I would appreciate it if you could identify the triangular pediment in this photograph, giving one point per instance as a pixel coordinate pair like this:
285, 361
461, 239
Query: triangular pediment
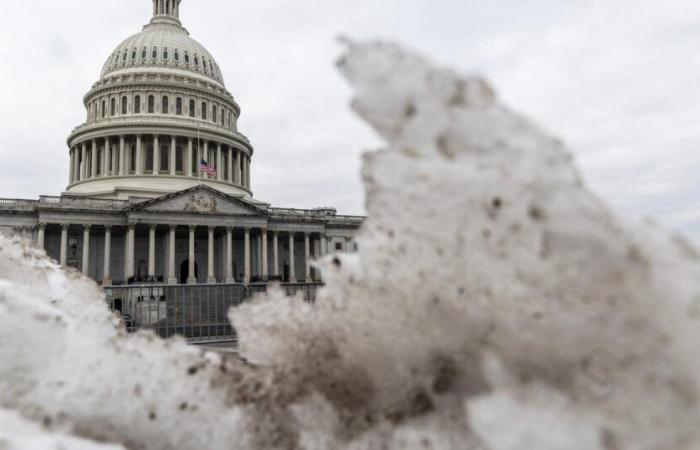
200, 200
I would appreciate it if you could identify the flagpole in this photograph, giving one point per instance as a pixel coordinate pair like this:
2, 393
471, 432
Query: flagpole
199, 157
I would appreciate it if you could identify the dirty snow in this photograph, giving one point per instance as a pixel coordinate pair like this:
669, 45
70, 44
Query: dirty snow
495, 304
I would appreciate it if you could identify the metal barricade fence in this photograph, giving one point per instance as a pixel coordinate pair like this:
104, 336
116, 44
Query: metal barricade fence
198, 313
290, 289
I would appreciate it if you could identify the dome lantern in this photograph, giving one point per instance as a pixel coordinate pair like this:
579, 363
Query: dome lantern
166, 9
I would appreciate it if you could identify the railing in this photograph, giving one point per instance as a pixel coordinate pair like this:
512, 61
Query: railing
16, 202
160, 119
347, 220
316, 214
78, 202
308, 290
199, 313
299, 212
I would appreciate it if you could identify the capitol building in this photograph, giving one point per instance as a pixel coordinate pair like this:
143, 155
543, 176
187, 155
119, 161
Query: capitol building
160, 185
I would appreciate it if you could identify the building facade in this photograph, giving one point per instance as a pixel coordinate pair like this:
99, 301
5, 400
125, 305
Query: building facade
139, 208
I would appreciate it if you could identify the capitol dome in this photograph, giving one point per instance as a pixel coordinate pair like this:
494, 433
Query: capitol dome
163, 43
158, 114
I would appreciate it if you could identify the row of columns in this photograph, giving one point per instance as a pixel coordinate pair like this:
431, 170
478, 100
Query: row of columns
211, 276
237, 162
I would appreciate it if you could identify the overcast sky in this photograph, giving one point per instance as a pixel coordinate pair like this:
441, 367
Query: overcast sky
618, 80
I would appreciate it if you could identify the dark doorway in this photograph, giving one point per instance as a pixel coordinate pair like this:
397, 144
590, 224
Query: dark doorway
285, 273
185, 271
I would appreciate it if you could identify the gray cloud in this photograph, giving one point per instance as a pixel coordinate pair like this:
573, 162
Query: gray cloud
617, 80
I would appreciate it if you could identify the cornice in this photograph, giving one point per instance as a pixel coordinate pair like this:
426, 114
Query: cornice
151, 124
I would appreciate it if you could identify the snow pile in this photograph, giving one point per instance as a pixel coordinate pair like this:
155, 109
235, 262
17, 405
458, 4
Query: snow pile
496, 304
17, 433
66, 362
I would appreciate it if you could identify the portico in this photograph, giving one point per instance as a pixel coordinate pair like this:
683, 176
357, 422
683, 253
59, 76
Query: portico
198, 236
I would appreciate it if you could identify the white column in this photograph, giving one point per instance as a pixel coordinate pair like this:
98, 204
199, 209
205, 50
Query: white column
151, 252
83, 162
275, 255
156, 155
247, 173
64, 245
139, 156
324, 244
172, 279
229, 256
192, 279
107, 266
76, 163
130, 252
211, 278
41, 236
71, 154
93, 158
86, 250
258, 256
229, 161
292, 271
188, 165
265, 271
307, 257
123, 170
106, 151
238, 168
219, 165
173, 154
246, 257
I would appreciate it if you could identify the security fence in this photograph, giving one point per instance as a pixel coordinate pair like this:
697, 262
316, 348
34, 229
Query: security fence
199, 313
307, 289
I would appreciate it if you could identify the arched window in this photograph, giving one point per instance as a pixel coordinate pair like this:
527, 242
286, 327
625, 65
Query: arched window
154, 54
104, 109
196, 61
223, 115
187, 58
192, 108
151, 104
113, 107
124, 57
164, 105
204, 63
124, 105
144, 53
178, 106
164, 158
137, 104
213, 113
165, 54
204, 110
133, 55
177, 55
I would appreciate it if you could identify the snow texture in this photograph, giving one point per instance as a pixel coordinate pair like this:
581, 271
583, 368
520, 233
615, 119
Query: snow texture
495, 304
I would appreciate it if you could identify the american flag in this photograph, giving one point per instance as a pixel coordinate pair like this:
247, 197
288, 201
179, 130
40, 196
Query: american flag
207, 168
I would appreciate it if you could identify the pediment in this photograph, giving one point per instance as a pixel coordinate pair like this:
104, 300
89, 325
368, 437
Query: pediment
200, 200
